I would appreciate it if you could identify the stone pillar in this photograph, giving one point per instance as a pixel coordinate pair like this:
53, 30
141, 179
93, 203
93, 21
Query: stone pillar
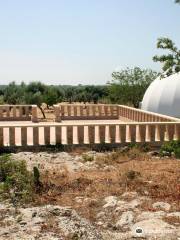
117, 134
175, 135
128, 133
86, 135
34, 117
57, 113
96, 135
157, 133
138, 134
107, 134
75, 135
166, 134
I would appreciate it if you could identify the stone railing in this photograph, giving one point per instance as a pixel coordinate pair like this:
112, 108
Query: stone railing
85, 111
32, 134
18, 113
105, 112
138, 115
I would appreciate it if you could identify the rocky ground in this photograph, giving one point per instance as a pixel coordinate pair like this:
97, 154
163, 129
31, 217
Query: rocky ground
98, 196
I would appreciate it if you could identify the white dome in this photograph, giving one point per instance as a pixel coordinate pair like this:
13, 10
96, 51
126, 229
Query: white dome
163, 96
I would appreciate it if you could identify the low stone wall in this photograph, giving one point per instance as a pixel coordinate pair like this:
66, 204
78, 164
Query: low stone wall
107, 111
68, 134
86, 112
18, 112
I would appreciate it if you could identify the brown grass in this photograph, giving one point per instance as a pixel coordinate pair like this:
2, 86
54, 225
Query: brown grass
157, 177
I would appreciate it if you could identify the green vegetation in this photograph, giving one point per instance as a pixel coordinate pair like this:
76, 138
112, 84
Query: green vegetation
16, 182
170, 61
170, 148
128, 86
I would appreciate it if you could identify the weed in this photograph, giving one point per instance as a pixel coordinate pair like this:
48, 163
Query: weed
17, 183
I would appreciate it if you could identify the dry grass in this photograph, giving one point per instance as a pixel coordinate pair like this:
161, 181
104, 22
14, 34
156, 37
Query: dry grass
160, 178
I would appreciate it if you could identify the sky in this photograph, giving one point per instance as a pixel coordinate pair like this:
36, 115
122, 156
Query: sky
81, 41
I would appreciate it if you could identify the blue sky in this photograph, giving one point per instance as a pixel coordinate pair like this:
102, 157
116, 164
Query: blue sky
81, 41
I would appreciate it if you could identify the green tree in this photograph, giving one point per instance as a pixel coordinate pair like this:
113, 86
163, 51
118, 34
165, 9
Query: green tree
35, 94
51, 96
171, 61
128, 86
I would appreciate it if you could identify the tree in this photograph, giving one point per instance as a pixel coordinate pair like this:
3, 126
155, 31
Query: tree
177, 1
35, 94
171, 61
51, 96
128, 86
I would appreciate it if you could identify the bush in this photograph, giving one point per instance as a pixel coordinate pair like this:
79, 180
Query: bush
87, 158
16, 182
171, 147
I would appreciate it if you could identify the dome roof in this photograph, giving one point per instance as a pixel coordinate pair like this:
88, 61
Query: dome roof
163, 96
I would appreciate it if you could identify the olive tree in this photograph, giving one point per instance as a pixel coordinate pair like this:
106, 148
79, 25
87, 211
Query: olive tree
128, 86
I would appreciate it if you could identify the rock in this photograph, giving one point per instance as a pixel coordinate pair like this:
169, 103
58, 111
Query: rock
125, 220
150, 215
174, 214
67, 222
111, 201
162, 205
124, 206
130, 195
100, 215
154, 228
153, 153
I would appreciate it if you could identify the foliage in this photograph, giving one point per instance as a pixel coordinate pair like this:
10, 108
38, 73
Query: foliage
171, 61
38, 93
171, 147
16, 182
128, 86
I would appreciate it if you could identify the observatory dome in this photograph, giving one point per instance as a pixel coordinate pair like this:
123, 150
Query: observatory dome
163, 96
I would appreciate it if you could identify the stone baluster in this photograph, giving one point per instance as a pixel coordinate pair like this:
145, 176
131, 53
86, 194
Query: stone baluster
138, 134
6, 135
17, 136
30, 141
117, 134
34, 113
86, 135
175, 135
128, 133
166, 133
57, 113
107, 134
52, 135
157, 133
147, 133
75, 135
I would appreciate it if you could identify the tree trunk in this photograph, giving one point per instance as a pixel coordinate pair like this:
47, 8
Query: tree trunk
44, 116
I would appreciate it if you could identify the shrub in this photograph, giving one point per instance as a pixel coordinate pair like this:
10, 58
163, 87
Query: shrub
171, 147
87, 158
16, 181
